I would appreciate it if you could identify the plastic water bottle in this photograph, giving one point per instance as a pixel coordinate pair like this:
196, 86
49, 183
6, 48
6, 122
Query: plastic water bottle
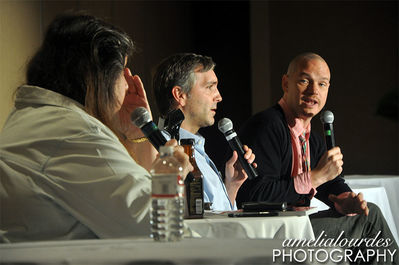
167, 204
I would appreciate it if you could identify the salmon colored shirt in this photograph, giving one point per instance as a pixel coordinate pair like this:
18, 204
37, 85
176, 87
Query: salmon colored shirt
302, 180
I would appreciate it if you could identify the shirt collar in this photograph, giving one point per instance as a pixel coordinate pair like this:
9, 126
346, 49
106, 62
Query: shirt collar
294, 123
199, 140
33, 95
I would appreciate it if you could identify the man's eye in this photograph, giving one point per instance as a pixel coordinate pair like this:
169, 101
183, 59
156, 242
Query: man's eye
323, 84
303, 81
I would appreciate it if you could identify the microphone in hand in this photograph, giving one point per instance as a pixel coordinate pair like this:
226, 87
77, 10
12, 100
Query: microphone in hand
226, 127
142, 119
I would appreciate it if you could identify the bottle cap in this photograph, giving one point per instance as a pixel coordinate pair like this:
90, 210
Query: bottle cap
188, 141
166, 150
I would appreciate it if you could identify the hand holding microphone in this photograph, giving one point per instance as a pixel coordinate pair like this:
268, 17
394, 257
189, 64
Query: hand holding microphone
330, 164
142, 119
226, 127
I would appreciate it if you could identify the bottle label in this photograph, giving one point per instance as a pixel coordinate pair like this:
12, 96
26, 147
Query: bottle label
194, 198
198, 206
167, 185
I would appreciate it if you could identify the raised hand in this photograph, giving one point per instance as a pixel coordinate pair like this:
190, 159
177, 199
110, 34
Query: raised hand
135, 97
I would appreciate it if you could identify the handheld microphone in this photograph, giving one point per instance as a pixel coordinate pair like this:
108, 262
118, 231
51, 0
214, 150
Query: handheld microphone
175, 119
142, 119
327, 118
226, 127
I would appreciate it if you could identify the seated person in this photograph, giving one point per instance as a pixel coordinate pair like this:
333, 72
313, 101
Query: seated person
68, 168
294, 165
187, 81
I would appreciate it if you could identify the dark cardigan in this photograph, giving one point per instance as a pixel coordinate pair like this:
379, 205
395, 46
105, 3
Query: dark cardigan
268, 135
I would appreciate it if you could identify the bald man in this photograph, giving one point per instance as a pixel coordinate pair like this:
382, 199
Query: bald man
294, 165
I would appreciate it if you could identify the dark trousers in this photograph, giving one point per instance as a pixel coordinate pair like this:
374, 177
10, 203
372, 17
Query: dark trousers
331, 224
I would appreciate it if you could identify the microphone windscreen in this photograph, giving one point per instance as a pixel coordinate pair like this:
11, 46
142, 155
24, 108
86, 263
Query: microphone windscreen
327, 117
225, 125
140, 117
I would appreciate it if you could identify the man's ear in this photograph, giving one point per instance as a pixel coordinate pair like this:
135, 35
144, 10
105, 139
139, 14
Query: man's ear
284, 83
179, 95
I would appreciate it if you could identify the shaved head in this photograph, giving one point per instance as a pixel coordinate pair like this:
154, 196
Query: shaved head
301, 59
306, 86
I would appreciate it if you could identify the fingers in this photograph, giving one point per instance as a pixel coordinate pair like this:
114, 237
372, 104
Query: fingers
130, 81
333, 151
232, 160
340, 169
359, 196
177, 148
127, 73
350, 203
251, 159
363, 208
243, 174
135, 84
366, 211
248, 152
335, 158
139, 86
233, 168
333, 198
180, 156
341, 197
171, 142
249, 155
184, 160
129, 78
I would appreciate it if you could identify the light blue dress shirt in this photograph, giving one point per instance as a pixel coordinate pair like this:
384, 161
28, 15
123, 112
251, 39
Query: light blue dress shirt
214, 188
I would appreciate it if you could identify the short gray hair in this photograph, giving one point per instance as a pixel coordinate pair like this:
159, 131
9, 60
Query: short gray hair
177, 70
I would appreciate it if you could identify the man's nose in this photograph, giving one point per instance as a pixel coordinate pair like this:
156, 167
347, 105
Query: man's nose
313, 88
218, 97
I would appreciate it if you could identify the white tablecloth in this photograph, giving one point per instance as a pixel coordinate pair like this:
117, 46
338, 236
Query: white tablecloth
145, 251
278, 227
380, 190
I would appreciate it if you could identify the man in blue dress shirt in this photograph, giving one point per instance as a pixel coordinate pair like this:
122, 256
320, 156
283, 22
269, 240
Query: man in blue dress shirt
187, 81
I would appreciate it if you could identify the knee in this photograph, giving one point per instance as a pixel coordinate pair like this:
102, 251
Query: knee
373, 209
375, 213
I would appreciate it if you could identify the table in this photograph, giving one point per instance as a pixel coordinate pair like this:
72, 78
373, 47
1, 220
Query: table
375, 194
277, 227
145, 251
